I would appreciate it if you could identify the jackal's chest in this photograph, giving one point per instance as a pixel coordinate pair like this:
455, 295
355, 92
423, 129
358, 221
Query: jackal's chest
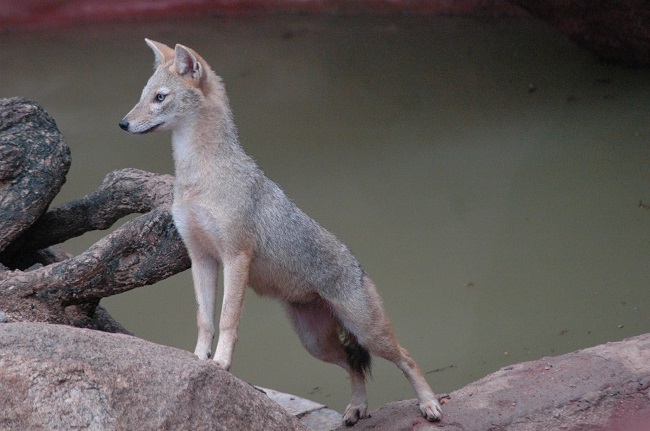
201, 228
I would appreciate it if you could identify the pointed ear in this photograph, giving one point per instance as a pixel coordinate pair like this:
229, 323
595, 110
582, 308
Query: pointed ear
162, 52
188, 63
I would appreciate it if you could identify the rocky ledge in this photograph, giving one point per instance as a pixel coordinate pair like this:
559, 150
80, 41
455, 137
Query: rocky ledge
58, 377
603, 388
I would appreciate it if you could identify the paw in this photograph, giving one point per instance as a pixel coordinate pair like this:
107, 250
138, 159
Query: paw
355, 412
202, 354
222, 363
431, 409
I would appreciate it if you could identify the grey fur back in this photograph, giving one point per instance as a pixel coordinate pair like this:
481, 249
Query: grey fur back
296, 251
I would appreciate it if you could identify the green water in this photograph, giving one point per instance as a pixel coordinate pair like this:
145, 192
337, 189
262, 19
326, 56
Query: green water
486, 172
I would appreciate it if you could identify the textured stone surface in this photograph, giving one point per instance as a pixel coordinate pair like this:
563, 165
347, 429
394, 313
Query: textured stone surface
63, 378
601, 388
315, 416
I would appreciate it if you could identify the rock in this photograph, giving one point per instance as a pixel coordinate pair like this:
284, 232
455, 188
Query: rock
60, 378
616, 31
69, 378
601, 388
315, 416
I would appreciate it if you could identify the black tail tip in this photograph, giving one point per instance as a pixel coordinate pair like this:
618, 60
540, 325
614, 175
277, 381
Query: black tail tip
358, 356
359, 359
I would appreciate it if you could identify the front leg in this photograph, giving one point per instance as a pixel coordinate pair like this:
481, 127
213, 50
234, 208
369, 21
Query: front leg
205, 271
235, 278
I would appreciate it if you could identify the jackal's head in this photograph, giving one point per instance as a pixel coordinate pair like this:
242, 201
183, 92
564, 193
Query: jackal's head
175, 92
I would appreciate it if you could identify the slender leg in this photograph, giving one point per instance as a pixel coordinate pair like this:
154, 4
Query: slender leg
205, 272
358, 406
235, 280
375, 332
318, 329
429, 405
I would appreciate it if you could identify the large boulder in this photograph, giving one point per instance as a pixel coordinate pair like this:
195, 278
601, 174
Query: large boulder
56, 377
606, 387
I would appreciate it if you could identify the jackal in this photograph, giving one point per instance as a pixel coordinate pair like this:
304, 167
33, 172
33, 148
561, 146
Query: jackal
229, 213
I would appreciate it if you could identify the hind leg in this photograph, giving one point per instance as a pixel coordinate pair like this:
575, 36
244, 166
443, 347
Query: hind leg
319, 332
374, 331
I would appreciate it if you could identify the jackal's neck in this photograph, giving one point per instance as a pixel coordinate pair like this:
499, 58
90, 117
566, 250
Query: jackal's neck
206, 145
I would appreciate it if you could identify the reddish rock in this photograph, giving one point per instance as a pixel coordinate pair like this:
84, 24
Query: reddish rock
66, 378
601, 388
616, 31
48, 13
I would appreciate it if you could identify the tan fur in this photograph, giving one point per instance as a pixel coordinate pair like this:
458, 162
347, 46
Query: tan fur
229, 213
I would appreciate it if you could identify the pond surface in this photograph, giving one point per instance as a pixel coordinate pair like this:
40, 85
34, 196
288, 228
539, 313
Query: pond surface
486, 172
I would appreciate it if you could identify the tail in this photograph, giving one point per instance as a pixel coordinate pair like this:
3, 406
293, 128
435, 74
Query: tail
358, 356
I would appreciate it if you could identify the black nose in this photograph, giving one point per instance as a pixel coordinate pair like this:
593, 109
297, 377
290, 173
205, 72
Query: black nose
124, 125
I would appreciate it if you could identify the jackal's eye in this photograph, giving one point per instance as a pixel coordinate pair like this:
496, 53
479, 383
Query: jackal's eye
160, 97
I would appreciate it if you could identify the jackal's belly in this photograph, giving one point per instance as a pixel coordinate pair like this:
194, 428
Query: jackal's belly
270, 280
289, 274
